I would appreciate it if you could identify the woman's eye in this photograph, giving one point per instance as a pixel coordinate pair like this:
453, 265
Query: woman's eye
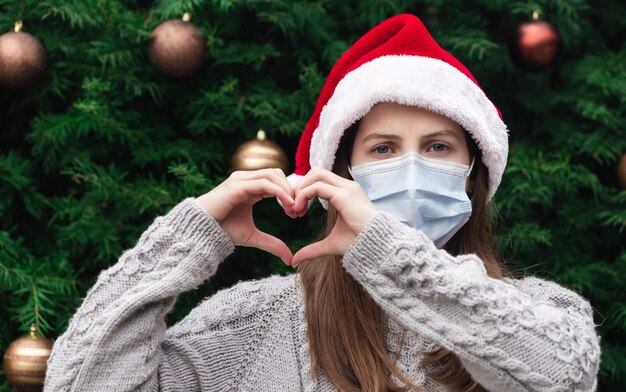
382, 149
439, 147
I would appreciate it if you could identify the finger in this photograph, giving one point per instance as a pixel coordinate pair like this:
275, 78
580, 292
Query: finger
320, 189
281, 179
287, 208
314, 250
264, 188
278, 176
270, 244
274, 175
317, 174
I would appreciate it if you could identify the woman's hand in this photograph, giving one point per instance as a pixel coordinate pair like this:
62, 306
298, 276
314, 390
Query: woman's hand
230, 204
346, 196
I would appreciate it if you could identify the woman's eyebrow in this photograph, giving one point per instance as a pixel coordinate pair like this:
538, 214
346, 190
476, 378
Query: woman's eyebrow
381, 136
443, 132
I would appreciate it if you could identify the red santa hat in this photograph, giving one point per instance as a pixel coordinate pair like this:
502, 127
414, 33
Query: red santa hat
399, 61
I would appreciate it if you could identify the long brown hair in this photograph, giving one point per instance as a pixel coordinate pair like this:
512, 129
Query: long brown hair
346, 327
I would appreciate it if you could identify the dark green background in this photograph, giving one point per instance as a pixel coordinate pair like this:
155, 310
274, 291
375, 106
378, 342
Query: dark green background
103, 143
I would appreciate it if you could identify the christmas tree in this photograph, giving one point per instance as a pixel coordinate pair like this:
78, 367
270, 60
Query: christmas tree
103, 142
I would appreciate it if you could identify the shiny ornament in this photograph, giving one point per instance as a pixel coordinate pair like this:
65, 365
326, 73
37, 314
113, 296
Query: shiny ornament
25, 362
259, 154
621, 172
535, 45
22, 58
177, 48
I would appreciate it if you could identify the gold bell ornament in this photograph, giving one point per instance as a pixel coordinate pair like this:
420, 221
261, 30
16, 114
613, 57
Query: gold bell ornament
259, 154
25, 361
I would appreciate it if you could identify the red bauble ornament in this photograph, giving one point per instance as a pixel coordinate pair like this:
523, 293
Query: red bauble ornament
535, 45
22, 58
177, 48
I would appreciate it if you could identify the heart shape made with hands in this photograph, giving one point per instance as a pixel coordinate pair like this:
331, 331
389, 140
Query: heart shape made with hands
231, 202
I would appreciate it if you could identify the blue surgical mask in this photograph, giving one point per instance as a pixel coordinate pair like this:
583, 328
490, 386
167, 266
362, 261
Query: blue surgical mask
424, 193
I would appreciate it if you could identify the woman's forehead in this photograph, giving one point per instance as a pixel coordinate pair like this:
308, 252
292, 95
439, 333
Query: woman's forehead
390, 118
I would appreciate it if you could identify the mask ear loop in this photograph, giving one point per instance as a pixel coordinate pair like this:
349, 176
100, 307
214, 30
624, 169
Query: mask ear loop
469, 172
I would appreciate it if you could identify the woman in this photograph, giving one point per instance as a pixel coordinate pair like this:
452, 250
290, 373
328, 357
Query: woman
402, 290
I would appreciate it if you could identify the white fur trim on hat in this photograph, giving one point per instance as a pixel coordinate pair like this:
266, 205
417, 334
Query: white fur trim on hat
417, 81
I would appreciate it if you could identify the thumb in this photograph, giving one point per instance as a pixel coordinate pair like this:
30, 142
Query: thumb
314, 250
270, 244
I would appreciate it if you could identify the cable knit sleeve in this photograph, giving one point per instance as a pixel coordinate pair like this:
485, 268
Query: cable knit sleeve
113, 341
511, 335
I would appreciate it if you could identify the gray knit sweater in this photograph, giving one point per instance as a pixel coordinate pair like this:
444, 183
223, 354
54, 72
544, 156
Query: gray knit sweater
511, 335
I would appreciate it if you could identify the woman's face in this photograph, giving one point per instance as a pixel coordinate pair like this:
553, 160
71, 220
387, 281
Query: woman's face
390, 130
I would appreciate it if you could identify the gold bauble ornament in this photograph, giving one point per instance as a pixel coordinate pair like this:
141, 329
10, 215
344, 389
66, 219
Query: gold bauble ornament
177, 48
259, 154
22, 58
621, 171
25, 362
